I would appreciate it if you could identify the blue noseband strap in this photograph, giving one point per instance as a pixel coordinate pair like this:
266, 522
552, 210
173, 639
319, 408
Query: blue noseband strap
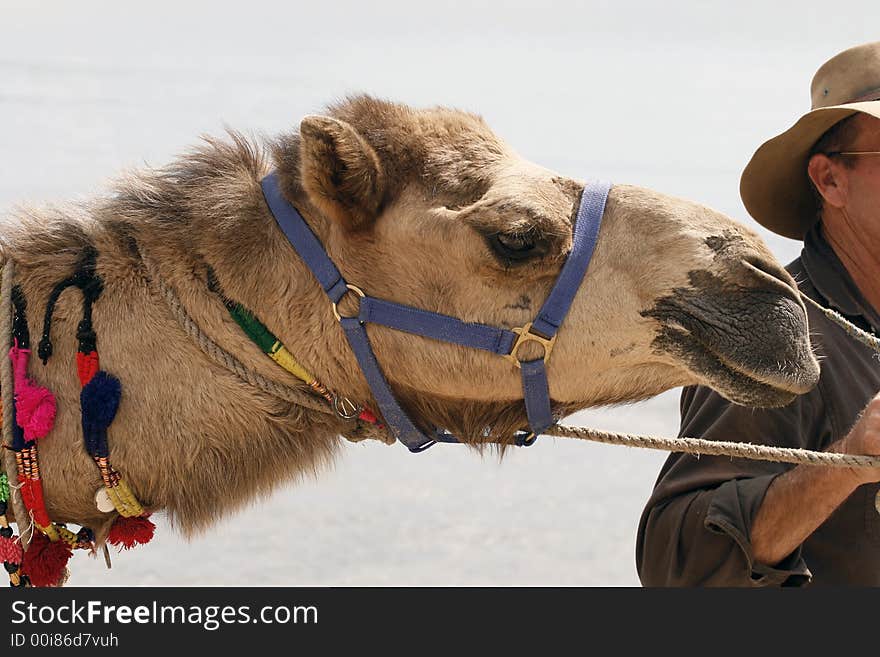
536, 389
436, 326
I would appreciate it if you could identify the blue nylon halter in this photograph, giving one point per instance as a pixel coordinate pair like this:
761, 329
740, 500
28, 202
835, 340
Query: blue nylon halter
499, 341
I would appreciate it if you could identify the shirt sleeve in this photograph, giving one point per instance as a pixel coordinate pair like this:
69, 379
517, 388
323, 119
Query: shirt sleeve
696, 527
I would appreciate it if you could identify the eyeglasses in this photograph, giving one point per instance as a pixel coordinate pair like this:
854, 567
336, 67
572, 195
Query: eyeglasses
833, 153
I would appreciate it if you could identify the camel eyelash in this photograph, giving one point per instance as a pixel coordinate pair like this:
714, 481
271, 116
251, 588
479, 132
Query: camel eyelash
517, 247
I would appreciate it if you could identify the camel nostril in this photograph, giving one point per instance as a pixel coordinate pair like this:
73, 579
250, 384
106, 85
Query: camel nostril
772, 272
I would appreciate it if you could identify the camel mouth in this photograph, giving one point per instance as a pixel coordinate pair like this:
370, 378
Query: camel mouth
753, 349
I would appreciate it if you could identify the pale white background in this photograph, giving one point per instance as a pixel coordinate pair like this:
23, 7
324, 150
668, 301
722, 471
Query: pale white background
672, 95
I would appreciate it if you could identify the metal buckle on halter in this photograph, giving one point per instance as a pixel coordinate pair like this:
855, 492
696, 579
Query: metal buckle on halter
525, 335
352, 288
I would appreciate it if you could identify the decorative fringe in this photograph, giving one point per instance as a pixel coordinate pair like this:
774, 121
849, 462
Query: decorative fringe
126, 533
45, 560
99, 402
34, 411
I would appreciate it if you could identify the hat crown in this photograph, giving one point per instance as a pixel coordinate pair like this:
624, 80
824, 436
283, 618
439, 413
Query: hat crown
849, 77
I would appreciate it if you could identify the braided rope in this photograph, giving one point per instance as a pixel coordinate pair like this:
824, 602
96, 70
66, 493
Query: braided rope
718, 448
6, 389
223, 357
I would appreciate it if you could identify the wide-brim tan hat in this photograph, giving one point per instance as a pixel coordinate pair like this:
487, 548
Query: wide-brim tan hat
774, 186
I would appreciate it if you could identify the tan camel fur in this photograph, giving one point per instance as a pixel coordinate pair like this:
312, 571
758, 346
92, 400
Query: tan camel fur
423, 207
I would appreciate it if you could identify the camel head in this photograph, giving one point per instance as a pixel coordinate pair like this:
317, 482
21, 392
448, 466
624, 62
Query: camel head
431, 209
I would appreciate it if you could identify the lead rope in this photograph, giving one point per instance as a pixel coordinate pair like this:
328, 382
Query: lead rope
854, 331
685, 445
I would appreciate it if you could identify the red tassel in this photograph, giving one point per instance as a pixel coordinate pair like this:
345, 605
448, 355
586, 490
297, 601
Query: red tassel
126, 533
44, 561
86, 366
10, 549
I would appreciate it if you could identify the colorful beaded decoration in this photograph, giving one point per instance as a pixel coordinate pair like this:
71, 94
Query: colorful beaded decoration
45, 560
100, 395
270, 345
11, 552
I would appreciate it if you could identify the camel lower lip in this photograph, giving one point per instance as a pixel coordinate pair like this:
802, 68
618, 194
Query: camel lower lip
726, 376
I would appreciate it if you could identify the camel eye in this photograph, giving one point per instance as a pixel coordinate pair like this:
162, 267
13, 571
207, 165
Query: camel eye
513, 246
516, 243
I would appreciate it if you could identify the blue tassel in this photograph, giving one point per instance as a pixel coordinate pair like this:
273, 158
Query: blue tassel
99, 400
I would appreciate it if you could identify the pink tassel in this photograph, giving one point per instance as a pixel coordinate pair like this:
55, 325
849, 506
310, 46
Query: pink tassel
35, 405
34, 410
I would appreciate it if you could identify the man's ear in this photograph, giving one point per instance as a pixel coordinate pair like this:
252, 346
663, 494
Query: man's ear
340, 171
829, 179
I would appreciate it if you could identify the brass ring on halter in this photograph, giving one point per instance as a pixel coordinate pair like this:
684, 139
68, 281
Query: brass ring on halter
352, 288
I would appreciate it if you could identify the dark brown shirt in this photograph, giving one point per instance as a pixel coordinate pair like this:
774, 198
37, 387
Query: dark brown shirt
695, 529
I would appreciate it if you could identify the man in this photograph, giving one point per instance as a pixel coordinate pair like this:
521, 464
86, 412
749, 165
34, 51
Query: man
718, 521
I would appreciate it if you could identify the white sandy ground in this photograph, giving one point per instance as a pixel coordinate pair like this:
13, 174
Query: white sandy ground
673, 95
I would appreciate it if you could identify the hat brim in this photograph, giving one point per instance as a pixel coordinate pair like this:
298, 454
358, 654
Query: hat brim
775, 188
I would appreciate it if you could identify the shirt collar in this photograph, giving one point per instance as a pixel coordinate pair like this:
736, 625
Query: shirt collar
831, 279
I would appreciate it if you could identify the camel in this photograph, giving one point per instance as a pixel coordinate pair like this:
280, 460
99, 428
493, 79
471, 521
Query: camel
424, 207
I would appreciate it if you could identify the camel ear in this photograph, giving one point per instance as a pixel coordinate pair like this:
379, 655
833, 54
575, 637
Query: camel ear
340, 171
